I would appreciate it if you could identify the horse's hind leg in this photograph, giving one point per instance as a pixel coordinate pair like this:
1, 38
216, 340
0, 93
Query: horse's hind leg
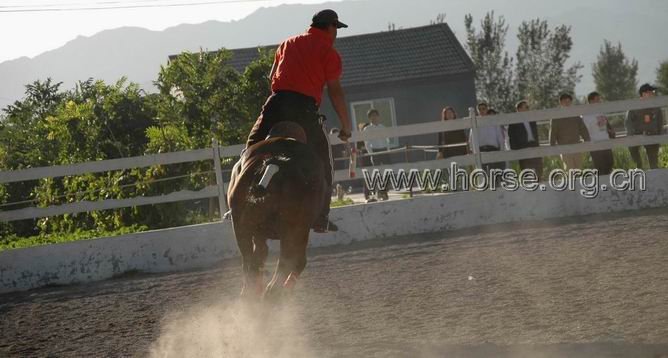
296, 258
292, 260
260, 253
245, 243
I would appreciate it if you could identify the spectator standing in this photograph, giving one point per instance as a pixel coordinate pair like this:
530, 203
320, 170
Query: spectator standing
525, 135
482, 107
648, 121
599, 129
451, 137
377, 145
490, 139
568, 131
338, 152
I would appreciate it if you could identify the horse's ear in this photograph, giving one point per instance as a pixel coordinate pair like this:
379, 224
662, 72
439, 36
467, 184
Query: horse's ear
288, 130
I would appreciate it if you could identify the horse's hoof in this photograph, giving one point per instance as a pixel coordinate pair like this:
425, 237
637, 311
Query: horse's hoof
291, 281
272, 295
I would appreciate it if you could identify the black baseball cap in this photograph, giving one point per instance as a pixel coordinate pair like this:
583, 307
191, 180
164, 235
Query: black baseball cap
327, 17
646, 88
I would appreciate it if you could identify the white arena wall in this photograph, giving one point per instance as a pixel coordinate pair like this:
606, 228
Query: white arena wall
204, 246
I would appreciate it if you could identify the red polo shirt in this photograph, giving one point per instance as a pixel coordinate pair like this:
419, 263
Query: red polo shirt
305, 63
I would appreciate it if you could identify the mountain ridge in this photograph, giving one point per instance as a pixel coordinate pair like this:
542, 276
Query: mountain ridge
137, 53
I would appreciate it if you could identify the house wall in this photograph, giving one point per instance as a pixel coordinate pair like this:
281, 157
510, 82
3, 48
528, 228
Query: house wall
415, 101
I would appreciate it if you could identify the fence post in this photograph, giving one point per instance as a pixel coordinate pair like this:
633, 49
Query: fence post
474, 138
222, 200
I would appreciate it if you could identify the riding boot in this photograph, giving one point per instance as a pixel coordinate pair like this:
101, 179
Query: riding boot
322, 224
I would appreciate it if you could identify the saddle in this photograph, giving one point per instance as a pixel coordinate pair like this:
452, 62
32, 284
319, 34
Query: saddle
251, 155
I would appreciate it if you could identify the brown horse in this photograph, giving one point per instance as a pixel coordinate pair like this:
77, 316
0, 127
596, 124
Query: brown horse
276, 192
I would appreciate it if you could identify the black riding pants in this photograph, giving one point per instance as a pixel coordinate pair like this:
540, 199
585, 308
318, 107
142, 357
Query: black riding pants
296, 107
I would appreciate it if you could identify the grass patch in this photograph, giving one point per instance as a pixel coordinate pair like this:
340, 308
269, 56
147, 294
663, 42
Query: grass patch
15, 242
343, 202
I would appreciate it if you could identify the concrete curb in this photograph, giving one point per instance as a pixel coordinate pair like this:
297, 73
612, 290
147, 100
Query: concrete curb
202, 246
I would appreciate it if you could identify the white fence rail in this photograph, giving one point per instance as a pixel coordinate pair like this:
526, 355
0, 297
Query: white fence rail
507, 118
86, 206
216, 153
106, 165
110, 165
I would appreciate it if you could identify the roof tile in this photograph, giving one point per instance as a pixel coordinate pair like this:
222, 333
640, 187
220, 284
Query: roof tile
391, 55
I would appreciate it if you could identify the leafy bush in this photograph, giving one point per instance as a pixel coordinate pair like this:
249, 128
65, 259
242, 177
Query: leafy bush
201, 98
663, 157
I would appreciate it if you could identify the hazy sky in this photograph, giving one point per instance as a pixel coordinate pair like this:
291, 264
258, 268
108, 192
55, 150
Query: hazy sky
31, 33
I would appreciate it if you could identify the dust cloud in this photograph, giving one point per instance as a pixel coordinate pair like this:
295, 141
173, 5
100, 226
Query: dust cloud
233, 329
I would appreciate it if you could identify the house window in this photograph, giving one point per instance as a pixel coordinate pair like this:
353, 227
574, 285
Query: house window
384, 106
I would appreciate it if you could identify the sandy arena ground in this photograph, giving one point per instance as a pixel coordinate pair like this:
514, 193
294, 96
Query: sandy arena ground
584, 287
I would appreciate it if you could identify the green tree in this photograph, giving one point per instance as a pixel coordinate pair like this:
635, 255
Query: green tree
24, 126
201, 97
494, 77
440, 19
204, 96
542, 54
662, 77
614, 74
254, 89
96, 121
23, 145
48, 127
198, 96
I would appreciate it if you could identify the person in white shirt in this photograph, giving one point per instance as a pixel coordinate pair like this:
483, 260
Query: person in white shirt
377, 145
490, 139
599, 129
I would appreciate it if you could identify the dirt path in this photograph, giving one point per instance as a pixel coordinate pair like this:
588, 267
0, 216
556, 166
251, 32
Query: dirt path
594, 286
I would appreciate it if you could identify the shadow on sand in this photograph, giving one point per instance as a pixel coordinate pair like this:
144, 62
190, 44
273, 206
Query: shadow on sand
571, 350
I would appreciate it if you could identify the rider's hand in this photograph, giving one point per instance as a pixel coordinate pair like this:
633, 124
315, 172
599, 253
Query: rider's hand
344, 135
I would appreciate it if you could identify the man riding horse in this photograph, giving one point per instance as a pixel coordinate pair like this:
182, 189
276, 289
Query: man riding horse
276, 192
303, 65
281, 187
